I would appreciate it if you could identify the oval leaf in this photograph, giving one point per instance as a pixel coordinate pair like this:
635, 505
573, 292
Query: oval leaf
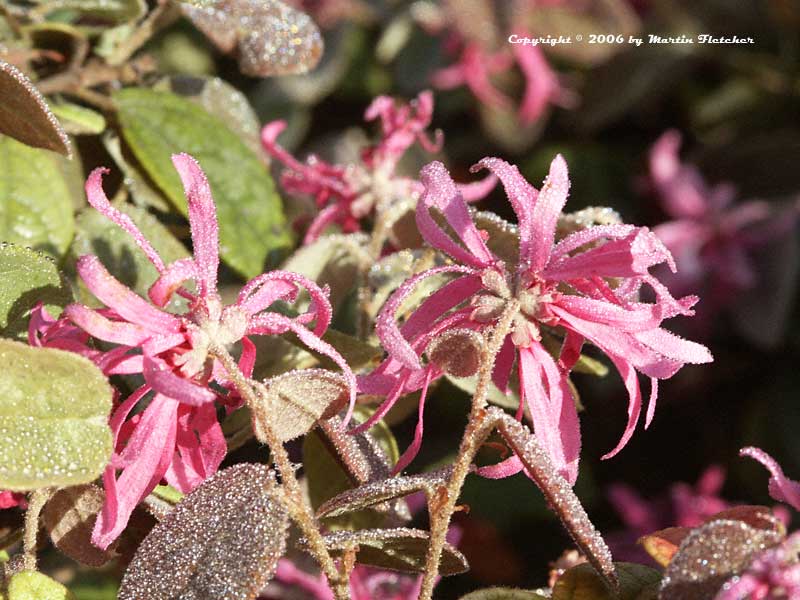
271, 38
30, 585
252, 224
54, 409
582, 582
369, 495
28, 277
558, 493
35, 199
25, 116
69, 518
223, 540
504, 593
710, 555
296, 400
399, 549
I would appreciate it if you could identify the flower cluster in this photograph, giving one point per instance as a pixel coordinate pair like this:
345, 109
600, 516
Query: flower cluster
582, 288
167, 428
346, 195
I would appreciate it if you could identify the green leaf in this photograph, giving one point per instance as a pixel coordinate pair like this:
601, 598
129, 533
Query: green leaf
30, 585
118, 11
79, 120
25, 116
223, 539
400, 549
582, 582
27, 277
35, 199
504, 593
97, 235
252, 224
54, 408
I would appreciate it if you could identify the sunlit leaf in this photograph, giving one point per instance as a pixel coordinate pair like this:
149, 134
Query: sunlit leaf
118, 11
35, 199
270, 37
31, 585
223, 540
69, 518
557, 492
662, 545
296, 400
252, 224
582, 582
54, 409
376, 492
399, 549
710, 555
26, 278
78, 120
25, 116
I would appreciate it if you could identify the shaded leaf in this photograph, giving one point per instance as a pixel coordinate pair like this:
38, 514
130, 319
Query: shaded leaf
252, 224
28, 277
296, 400
557, 492
760, 517
96, 234
223, 540
118, 11
69, 518
400, 549
140, 187
31, 585
78, 120
710, 555
504, 593
25, 116
582, 582
377, 492
54, 409
495, 394
35, 199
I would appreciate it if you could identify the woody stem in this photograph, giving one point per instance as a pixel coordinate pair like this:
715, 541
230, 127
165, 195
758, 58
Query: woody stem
299, 510
478, 428
36, 502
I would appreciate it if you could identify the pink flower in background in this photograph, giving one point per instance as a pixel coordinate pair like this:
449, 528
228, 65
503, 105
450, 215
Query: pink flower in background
560, 288
476, 65
683, 505
781, 488
773, 574
347, 194
11, 500
176, 436
712, 238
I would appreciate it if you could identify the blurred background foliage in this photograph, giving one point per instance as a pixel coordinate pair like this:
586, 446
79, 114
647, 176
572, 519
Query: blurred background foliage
737, 106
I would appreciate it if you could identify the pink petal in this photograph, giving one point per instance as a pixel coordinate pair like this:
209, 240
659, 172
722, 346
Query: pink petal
590, 235
97, 198
477, 190
439, 303
781, 488
682, 188
247, 361
392, 395
550, 201
386, 327
675, 347
164, 381
441, 193
143, 473
412, 451
125, 302
541, 85
503, 364
200, 447
203, 222
521, 194
172, 278
96, 325
628, 374
325, 218
507, 468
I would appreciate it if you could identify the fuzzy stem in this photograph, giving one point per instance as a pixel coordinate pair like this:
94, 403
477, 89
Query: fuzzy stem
36, 502
301, 513
478, 428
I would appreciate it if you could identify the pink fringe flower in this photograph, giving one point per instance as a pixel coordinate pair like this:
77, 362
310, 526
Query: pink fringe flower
711, 238
562, 288
11, 500
781, 488
176, 436
773, 574
347, 194
475, 67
